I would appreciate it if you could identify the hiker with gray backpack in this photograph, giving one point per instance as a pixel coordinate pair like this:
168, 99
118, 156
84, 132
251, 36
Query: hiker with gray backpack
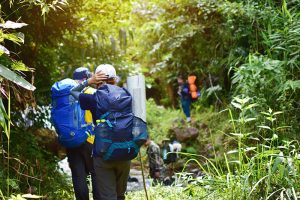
118, 133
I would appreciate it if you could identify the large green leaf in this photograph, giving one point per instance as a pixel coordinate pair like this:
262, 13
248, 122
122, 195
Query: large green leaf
3, 115
12, 76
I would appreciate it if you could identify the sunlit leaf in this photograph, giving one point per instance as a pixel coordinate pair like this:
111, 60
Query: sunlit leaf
265, 127
250, 133
250, 119
254, 138
45, 9
12, 25
2, 90
12, 76
3, 114
242, 100
235, 161
213, 89
19, 66
270, 110
282, 147
4, 50
14, 37
31, 196
250, 149
236, 105
264, 113
274, 137
238, 99
292, 84
277, 113
237, 134
282, 127
250, 106
21, 36
232, 151
271, 119
265, 146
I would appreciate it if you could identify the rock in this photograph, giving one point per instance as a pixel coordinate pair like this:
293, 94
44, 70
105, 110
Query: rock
48, 139
64, 167
133, 179
184, 134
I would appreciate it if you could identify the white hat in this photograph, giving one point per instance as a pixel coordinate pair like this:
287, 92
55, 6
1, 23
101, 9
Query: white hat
108, 69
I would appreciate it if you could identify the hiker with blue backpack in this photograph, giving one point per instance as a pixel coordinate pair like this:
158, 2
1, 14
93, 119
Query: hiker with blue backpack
188, 92
74, 128
117, 131
185, 98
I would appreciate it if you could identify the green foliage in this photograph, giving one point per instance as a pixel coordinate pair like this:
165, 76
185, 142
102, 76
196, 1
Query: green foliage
19, 175
38, 35
37, 173
254, 44
191, 150
262, 79
167, 193
272, 80
16, 38
185, 37
260, 163
262, 166
103, 36
159, 120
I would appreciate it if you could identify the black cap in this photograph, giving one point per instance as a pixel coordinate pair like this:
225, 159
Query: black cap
81, 73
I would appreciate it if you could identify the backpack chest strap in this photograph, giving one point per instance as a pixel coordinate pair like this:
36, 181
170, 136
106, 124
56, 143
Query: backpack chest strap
103, 120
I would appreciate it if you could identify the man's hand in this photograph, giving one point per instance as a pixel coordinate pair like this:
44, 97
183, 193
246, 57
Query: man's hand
97, 78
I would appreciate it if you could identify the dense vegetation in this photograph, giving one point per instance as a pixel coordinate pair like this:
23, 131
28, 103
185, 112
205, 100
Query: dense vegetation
245, 54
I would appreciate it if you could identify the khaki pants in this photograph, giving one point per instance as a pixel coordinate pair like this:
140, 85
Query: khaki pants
111, 177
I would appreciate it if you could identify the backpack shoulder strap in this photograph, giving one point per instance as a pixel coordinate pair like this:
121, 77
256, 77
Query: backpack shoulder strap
127, 92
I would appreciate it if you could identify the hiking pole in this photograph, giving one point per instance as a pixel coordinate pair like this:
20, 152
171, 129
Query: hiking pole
144, 183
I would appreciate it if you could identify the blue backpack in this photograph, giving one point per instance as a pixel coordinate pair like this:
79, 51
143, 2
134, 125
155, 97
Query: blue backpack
67, 116
118, 133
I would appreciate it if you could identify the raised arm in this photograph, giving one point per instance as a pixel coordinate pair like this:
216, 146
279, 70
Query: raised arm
75, 91
95, 79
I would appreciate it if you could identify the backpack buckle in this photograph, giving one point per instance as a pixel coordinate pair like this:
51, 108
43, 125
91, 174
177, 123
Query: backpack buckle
99, 121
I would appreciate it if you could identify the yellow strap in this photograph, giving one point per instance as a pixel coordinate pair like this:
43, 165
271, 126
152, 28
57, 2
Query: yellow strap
91, 139
89, 90
88, 115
